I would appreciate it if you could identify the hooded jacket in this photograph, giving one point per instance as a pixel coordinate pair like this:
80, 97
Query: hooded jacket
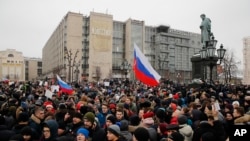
187, 131
53, 126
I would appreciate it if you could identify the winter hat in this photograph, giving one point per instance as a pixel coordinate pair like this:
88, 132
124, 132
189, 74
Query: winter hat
182, 119
124, 125
160, 113
114, 129
83, 131
112, 106
26, 130
90, 117
176, 136
77, 115
208, 136
148, 118
61, 125
62, 106
163, 128
141, 134
112, 119
236, 102
173, 106
172, 127
49, 106
23, 117
134, 120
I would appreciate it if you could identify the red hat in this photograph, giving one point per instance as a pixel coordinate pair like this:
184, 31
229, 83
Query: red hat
148, 118
163, 128
148, 115
112, 106
176, 96
173, 106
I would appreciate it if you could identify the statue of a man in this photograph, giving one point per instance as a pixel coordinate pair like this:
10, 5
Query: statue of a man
205, 30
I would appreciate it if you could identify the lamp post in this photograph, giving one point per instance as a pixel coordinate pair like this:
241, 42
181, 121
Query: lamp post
71, 61
125, 68
208, 55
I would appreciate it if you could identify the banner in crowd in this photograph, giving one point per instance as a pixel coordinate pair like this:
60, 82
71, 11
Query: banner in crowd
143, 69
64, 87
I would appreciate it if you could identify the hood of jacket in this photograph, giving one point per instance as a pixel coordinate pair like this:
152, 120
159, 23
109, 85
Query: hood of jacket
53, 126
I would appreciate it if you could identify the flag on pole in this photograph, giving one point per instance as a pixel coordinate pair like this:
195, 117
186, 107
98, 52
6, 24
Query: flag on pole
143, 69
64, 86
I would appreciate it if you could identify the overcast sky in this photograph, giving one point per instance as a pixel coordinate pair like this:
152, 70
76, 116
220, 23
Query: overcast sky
26, 25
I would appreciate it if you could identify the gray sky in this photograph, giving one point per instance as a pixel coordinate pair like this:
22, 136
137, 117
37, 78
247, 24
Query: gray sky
26, 25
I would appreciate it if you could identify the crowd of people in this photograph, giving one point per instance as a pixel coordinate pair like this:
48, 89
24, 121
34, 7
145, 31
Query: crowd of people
122, 111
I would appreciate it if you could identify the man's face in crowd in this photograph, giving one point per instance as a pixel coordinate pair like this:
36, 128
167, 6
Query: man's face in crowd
104, 109
87, 124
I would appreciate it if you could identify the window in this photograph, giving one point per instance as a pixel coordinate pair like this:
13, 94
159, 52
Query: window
10, 55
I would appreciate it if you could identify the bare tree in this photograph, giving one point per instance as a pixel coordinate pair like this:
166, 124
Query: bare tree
230, 65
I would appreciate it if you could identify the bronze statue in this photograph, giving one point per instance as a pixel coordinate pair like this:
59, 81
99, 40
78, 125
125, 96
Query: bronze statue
205, 30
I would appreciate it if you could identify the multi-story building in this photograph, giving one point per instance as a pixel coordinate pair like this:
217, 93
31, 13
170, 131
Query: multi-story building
95, 46
12, 65
33, 69
246, 60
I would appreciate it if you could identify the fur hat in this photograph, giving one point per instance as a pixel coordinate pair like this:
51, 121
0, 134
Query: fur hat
90, 117
141, 134
83, 131
114, 129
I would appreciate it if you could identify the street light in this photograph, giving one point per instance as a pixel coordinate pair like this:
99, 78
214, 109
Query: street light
208, 55
68, 55
125, 68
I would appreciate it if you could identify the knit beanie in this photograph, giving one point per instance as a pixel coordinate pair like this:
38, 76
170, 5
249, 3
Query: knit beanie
83, 131
114, 129
90, 117
112, 119
77, 115
176, 136
182, 119
141, 134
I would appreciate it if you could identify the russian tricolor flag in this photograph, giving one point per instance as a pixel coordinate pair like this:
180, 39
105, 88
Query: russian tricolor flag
143, 69
64, 86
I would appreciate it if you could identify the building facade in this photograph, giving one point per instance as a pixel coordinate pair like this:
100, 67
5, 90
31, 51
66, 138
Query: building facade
246, 61
12, 65
33, 69
94, 47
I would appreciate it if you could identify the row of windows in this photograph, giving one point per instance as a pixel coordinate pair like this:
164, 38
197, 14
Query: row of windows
20, 62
